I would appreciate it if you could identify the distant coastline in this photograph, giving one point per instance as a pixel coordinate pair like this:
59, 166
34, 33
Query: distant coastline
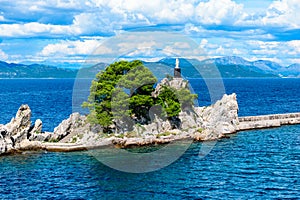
228, 67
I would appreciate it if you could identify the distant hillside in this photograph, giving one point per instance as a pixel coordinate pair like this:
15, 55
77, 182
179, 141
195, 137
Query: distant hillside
291, 71
90, 72
226, 67
11, 70
260, 66
213, 68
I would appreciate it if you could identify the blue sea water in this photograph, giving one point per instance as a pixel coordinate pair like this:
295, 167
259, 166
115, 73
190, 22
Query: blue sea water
260, 164
49, 99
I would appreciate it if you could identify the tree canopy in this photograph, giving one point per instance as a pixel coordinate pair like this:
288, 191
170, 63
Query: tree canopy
123, 92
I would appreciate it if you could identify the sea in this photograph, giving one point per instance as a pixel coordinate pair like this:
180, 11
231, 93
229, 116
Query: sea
258, 164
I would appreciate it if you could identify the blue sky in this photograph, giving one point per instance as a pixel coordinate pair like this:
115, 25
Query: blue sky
68, 31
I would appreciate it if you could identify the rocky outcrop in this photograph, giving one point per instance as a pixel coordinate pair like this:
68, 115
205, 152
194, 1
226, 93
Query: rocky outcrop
218, 119
176, 83
202, 123
74, 124
36, 133
199, 123
18, 128
37, 128
158, 125
15, 135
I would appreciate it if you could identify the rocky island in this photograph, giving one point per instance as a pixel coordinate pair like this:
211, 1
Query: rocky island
164, 122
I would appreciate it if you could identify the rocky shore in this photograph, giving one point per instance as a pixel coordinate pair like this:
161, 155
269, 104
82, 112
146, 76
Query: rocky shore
75, 133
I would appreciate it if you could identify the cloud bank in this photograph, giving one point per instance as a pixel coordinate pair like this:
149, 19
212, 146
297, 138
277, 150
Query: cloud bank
223, 27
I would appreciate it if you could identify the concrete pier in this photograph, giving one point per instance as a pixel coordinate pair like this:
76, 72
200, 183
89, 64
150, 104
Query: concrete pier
268, 121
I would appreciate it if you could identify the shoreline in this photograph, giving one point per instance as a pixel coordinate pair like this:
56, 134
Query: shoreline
112, 143
76, 134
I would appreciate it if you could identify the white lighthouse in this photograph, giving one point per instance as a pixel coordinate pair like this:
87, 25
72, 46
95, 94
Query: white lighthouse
177, 70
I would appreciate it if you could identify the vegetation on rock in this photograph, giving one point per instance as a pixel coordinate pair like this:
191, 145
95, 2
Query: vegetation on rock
123, 93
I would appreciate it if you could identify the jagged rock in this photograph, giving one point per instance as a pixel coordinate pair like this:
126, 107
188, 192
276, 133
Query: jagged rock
188, 119
42, 137
219, 119
97, 129
157, 126
38, 124
14, 135
68, 126
6, 142
200, 123
20, 125
2, 146
176, 83
36, 133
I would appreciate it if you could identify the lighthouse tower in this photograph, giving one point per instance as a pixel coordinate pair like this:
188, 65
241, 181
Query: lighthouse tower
177, 70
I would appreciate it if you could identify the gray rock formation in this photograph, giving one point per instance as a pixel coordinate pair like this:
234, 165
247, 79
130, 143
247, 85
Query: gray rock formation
19, 126
219, 119
38, 125
157, 126
199, 123
73, 125
36, 133
15, 135
45, 136
176, 83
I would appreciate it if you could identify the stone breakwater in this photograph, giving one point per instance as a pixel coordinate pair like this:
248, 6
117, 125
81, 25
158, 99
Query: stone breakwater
268, 121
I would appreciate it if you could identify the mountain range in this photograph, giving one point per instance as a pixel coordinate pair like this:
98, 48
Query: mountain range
226, 67
12, 70
233, 67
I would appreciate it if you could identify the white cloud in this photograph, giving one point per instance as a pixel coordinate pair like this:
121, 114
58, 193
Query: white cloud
294, 60
283, 52
203, 43
106, 17
220, 51
280, 13
138, 45
283, 13
39, 5
72, 48
295, 46
86, 23
89, 18
236, 51
3, 55
265, 52
32, 29
217, 12
156, 11
94, 17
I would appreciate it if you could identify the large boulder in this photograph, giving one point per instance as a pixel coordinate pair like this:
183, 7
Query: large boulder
36, 133
19, 126
176, 83
219, 119
37, 128
42, 137
68, 126
158, 125
14, 135
189, 119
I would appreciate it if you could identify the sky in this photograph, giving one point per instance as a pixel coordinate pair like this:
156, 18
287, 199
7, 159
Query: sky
67, 32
